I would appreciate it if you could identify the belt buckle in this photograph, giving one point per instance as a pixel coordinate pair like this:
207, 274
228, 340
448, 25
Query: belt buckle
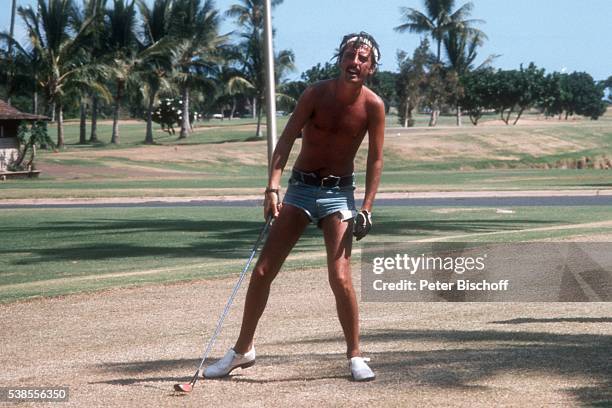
336, 180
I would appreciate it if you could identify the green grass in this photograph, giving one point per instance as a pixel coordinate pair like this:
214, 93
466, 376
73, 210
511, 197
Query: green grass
251, 179
495, 179
209, 164
59, 251
133, 134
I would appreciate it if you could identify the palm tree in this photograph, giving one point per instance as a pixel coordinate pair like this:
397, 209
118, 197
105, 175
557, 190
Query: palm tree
10, 44
249, 15
20, 69
155, 20
93, 42
196, 42
230, 84
60, 53
461, 50
155, 66
123, 46
12, 29
437, 20
96, 45
461, 53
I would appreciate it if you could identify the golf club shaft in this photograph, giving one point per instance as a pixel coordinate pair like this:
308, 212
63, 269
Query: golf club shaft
211, 343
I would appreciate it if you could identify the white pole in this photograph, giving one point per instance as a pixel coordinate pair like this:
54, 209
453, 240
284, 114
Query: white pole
270, 83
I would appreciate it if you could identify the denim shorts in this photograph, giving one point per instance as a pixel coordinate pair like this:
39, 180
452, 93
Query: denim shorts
318, 202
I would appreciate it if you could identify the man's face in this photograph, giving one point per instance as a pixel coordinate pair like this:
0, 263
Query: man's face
356, 63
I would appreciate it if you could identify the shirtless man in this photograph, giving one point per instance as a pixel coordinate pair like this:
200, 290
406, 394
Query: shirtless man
333, 116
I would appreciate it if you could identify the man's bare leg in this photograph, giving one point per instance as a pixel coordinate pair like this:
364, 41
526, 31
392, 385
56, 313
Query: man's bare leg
284, 233
338, 242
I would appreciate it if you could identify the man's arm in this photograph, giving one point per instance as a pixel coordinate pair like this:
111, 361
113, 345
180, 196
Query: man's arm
376, 136
300, 115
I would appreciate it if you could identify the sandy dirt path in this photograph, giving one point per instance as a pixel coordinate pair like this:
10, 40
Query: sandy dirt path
127, 347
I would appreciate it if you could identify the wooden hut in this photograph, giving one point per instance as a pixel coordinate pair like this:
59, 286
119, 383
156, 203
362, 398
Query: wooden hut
10, 119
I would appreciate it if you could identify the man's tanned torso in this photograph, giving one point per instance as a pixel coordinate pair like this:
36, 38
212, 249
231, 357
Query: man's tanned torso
334, 130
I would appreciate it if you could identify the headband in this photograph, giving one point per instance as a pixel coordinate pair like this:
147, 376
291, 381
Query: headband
365, 41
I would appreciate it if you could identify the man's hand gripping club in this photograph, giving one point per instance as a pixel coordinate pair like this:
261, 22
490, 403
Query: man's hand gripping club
272, 204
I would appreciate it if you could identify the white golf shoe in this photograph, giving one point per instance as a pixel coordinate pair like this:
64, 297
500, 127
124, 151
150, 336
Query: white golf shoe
360, 370
230, 361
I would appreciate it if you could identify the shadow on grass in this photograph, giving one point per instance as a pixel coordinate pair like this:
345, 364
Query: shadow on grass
103, 239
595, 185
220, 239
483, 356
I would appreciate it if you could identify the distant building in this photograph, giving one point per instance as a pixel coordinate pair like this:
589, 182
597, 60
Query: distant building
10, 119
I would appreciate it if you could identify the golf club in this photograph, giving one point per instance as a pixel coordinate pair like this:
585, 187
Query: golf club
188, 387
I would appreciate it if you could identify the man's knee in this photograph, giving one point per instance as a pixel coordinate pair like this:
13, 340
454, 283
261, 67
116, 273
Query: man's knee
341, 283
262, 274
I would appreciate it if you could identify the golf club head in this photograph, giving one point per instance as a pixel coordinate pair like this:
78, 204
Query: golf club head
187, 387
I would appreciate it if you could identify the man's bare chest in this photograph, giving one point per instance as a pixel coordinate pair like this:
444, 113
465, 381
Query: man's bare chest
340, 120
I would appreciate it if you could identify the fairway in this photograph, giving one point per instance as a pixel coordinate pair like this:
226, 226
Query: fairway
224, 158
50, 252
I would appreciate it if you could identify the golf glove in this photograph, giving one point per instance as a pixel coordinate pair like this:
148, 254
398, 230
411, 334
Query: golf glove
363, 224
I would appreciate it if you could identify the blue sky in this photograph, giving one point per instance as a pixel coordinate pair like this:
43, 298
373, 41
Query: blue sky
556, 35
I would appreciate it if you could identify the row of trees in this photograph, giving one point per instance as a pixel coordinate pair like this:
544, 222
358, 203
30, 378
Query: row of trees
127, 52
428, 82
92, 56
424, 84
514, 91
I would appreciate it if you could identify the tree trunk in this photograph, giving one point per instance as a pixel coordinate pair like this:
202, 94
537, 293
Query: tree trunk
518, 116
433, 119
35, 103
233, 110
185, 126
458, 115
93, 136
53, 112
12, 29
32, 158
83, 123
149, 134
118, 96
503, 118
60, 125
115, 135
258, 131
508, 117
254, 107
21, 155
10, 50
